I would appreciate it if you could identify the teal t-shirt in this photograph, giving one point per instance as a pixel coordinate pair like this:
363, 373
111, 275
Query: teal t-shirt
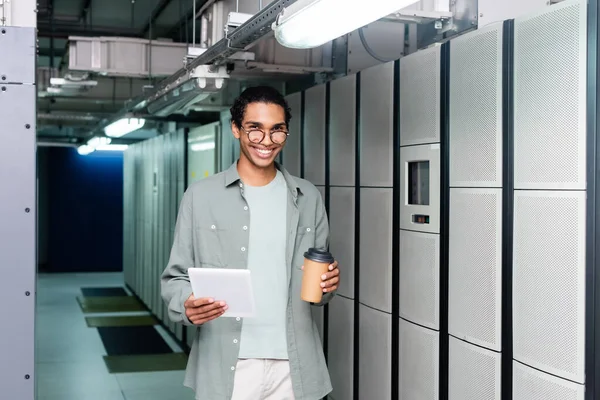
264, 336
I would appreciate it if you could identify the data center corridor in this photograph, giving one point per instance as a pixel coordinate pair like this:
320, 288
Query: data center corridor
70, 362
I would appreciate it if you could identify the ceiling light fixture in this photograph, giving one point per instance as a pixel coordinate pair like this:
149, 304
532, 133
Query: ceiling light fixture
124, 126
85, 149
295, 25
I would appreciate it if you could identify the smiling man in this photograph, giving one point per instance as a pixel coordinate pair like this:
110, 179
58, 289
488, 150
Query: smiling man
254, 215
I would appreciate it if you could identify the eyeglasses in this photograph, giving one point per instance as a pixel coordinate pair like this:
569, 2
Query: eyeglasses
256, 135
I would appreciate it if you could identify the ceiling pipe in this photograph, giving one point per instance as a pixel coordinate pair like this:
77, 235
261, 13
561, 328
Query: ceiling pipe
245, 35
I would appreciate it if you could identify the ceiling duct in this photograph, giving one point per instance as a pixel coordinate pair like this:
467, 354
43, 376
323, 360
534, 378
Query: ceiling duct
125, 57
237, 41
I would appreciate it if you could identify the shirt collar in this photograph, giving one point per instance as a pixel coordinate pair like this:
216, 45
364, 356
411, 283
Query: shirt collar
232, 176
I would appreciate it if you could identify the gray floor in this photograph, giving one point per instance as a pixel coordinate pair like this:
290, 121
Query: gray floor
69, 364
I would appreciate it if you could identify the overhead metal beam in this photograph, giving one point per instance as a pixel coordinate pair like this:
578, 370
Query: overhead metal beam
65, 29
252, 30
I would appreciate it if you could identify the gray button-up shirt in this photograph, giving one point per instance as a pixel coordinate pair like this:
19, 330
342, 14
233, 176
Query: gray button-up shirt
210, 233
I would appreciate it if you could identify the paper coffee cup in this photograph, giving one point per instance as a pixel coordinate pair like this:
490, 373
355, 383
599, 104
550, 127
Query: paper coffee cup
316, 263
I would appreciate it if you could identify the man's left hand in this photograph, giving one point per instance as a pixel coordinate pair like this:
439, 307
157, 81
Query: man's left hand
331, 279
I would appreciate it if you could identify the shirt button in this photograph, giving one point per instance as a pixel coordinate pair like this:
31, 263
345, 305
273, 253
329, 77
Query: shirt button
213, 227
233, 368
307, 229
245, 208
245, 228
241, 185
235, 340
237, 318
243, 249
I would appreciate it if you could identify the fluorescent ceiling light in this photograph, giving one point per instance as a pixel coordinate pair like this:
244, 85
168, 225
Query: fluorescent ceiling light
124, 126
202, 146
85, 149
112, 147
98, 141
307, 24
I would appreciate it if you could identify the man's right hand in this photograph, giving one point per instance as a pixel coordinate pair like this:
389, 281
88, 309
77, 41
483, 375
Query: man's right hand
200, 311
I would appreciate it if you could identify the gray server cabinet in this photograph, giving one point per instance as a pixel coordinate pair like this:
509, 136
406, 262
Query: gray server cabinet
342, 178
340, 351
342, 212
375, 338
150, 211
475, 215
376, 193
549, 260
314, 135
420, 97
376, 231
291, 153
18, 212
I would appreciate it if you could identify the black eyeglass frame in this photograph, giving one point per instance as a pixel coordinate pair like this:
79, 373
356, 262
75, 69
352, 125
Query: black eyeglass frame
247, 132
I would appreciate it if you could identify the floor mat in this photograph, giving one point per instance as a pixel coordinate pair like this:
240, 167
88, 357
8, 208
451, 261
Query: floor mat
130, 340
103, 291
109, 304
146, 363
134, 320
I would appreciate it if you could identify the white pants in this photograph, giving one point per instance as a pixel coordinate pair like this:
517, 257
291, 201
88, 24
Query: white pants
257, 379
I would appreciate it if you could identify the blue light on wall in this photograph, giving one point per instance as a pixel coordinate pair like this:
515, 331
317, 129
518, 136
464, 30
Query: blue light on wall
85, 211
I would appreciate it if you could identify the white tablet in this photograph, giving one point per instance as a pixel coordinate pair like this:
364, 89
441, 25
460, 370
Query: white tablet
233, 286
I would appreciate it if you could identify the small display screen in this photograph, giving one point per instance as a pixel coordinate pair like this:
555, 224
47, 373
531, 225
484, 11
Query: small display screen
418, 183
420, 219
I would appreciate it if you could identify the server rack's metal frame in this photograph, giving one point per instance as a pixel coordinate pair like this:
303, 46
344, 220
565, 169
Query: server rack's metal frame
18, 211
592, 332
444, 218
507, 210
327, 206
395, 369
358, 133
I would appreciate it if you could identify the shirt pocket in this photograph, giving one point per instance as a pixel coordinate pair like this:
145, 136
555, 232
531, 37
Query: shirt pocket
305, 239
209, 243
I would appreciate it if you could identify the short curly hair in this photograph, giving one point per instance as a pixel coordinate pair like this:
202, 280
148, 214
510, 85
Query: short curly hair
258, 94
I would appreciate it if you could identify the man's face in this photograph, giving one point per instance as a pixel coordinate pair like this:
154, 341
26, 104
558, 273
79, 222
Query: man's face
266, 118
